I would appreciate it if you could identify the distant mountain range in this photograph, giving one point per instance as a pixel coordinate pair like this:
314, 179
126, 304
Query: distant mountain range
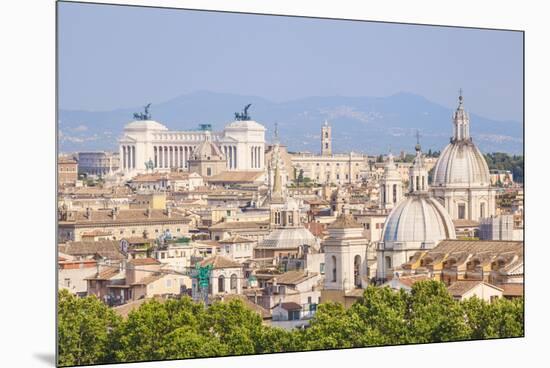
361, 124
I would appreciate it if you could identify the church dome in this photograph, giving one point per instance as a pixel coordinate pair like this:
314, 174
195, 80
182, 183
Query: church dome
207, 151
418, 218
461, 164
290, 237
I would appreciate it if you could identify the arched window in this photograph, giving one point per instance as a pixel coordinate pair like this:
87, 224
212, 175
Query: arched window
482, 210
388, 262
333, 269
394, 193
221, 284
357, 271
233, 282
462, 211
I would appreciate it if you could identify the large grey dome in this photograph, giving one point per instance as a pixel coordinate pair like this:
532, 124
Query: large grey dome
418, 218
462, 164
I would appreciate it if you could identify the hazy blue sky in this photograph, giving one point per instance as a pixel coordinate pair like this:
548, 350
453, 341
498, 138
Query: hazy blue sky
113, 56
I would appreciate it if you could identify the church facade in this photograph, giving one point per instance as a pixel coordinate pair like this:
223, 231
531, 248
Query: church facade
461, 181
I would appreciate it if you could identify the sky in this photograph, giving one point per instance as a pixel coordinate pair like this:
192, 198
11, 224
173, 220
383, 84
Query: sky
112, 57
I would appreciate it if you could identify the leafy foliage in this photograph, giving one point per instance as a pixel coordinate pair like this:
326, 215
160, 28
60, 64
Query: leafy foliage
84, 326
90, 332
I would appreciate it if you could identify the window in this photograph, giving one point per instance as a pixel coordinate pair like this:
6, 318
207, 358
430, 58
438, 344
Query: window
294, 315
233, 282
168, 283
208, 171
221, 284
357, 271
333, 269
178, 229
482, 210
367, 226
388, 262
461, 211
322, 268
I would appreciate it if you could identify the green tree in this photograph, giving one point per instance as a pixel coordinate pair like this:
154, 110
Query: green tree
330, 328
141, 335
83, 326
185, 342
434, 315
382, 312
236, 326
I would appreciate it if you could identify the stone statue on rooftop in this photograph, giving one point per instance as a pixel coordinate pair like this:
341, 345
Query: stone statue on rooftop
143, 115
243, 115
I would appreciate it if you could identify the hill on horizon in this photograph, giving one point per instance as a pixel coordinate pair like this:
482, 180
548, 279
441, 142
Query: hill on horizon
369, 125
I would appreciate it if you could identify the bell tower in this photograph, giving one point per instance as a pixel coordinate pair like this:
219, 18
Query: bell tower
326, 139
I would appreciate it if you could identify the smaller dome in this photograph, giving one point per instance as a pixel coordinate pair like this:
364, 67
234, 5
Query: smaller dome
290, 237
207, 151
418, 218
145, 125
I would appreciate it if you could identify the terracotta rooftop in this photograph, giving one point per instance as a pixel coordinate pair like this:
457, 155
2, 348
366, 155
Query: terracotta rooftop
511, 289
160, 176
291, 306
144, 261
461, 287
149, 279
125, 216
125, 309
235, 239
465, 223
105, 248
294, 277
411, 280
235, 176
239, 225
220, 262
105, 274
248, 303
474, 246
